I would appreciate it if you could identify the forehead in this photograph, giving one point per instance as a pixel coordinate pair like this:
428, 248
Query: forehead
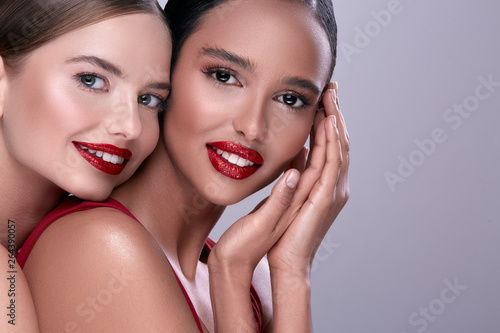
267, 29
121, 39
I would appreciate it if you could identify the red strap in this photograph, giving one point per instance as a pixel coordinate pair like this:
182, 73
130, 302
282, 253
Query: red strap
71, 205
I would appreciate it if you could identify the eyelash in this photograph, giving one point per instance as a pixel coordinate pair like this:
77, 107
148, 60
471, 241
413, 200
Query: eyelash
211, 70
305, 101
80, 76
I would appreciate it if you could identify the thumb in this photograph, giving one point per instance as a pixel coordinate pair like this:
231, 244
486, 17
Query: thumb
271, 212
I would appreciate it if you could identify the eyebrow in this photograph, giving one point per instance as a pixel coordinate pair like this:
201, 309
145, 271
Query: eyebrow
302, 83
247, 65
104, 64
108, 66
228, 56
160, 86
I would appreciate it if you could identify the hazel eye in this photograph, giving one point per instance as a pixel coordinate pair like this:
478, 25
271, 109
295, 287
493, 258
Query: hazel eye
92, 81
291, 100
150, 101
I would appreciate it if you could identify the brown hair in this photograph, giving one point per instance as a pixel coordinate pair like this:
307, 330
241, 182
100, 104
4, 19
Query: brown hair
25, 25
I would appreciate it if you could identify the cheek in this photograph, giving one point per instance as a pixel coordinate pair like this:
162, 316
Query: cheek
288, 133
149, 136
192, 111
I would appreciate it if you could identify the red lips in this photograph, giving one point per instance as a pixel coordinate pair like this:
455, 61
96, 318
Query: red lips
249, 158
104, 157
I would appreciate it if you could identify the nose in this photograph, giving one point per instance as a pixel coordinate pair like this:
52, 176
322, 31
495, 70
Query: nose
125, 121
250, 119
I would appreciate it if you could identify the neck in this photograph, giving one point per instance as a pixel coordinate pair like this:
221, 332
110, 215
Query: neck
25, 198
178, 217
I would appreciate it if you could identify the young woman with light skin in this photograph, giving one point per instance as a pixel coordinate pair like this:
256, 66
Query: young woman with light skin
246, 83
77, 113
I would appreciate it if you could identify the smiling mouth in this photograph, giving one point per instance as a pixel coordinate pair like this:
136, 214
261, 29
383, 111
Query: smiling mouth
232, 160
104, 157
107, 157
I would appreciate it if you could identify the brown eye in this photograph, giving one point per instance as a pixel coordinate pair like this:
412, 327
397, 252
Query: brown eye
289, 99
223, 76
292, 101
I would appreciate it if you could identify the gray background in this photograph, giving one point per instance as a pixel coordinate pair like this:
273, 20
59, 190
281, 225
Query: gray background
419, 254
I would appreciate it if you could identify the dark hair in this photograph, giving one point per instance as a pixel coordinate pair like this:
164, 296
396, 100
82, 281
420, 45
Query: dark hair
184, 17
25, 25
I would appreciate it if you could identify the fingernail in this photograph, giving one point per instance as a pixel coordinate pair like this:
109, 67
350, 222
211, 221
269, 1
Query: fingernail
334, 96
292, 179
336, 86
334, 121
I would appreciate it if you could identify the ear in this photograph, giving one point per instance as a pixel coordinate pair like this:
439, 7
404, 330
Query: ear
3, 86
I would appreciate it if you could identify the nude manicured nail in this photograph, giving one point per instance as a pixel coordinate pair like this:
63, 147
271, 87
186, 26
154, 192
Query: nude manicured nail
334, 96
334, 121
292, 179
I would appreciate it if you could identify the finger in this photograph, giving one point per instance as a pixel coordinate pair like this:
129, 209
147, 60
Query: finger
314, 168
271, 213
329, 102
318, 117
336, 88
332, 108
325, 187
315, 213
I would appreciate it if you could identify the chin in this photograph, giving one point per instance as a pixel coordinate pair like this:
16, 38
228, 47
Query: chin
225, 196
95, 193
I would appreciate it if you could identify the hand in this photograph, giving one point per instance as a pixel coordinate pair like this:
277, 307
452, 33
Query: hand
321, 194
234, 258
245, 243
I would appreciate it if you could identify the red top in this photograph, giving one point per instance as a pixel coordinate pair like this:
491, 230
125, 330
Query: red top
73, 204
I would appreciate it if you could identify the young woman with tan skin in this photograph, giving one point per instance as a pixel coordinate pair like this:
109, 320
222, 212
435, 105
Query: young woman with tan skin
77, 115
247, 79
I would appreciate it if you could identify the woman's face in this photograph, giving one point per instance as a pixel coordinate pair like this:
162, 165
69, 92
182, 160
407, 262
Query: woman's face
245, 91
83, 111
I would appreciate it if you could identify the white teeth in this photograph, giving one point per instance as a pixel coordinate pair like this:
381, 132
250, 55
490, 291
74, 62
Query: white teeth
241, 162
115, 159
107, 157
234, 159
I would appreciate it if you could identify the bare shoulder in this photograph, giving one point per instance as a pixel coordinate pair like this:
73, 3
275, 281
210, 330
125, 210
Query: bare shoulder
100, 270
16, 297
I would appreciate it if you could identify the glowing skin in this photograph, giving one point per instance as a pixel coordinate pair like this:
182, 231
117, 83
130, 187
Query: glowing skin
235, 82
82, 113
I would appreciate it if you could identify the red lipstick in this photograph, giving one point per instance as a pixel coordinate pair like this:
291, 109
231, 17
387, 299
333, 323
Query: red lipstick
104, 157
232, 160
